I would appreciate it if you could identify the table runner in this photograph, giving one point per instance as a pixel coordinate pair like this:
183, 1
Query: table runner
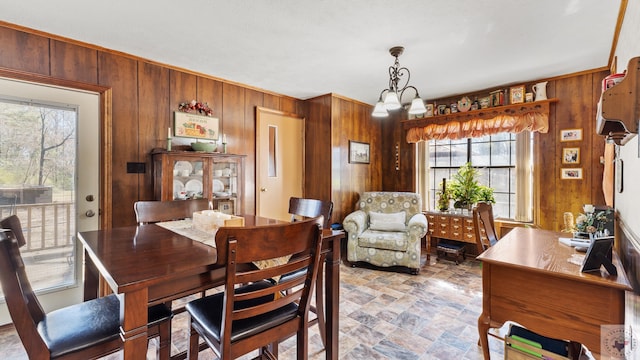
185, 228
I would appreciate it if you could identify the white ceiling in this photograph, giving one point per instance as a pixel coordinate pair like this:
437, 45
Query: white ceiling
306, 48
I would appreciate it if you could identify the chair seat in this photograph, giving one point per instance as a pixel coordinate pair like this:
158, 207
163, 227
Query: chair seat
62, 335
387, 240
206, 314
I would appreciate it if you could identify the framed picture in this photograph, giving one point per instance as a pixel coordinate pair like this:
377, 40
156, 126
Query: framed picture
225, 207
195, 126
516, 94
429, 109
358, 152
571, 156
485, 102
571, 173
441, 109
571, 135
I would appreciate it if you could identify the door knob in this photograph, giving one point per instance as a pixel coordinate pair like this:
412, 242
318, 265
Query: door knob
262, 189
90, 213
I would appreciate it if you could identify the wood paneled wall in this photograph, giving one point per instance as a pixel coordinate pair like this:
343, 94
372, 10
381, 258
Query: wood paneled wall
336, 120
578, 96
144, 96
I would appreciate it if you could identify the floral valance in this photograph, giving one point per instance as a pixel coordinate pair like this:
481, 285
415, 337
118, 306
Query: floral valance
510, 118
480, 127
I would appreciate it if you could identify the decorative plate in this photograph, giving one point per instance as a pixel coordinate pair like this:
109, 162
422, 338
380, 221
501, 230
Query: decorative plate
178, 186
218, 186
464, 104
193, 186
183, 165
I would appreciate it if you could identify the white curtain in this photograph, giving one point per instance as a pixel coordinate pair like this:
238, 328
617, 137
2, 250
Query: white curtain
524, 177
422, 171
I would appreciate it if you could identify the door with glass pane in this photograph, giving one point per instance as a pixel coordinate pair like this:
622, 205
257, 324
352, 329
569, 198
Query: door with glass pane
49, 140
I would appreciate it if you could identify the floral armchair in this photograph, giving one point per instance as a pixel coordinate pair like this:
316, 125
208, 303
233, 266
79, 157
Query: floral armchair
386, 230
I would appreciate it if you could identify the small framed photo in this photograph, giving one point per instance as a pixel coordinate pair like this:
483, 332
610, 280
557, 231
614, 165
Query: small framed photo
571, 173
485, 102
225, 207
528, 97
442, 109
429, 109
571, 135
571, 156
516, 94
358, 152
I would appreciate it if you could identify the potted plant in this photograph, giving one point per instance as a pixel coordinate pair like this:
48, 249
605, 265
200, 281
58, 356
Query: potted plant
465, 189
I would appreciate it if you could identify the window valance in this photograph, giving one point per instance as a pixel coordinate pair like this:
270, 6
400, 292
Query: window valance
511, 118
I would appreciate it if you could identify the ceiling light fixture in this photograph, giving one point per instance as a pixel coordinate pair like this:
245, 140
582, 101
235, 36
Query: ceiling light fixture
393, 96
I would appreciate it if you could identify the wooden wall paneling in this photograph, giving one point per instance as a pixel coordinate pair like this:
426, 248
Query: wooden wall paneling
289, 105
233, 123
74, 62
598, 144
155, 117
253, 99
574, 112
271, 101
22, 51
182, 88
545, 169
320, 152
120, 74
210, 91
341, 169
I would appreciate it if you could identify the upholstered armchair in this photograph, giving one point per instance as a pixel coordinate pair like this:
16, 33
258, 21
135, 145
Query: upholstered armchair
386, 230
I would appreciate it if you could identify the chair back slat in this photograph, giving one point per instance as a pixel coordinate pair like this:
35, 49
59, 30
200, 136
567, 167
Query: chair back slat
24, 307
156, 211
310, 208
238, 246
483, 219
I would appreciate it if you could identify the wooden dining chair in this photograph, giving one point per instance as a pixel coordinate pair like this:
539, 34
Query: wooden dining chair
87, 330
301, 208
157, 211
244, 318
483, 220
310, 208
152, 211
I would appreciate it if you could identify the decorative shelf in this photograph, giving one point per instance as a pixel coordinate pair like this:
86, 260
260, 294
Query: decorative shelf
619, 107
541, 106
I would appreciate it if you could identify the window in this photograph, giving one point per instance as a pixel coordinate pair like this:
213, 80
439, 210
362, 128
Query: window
38, 185
496, 159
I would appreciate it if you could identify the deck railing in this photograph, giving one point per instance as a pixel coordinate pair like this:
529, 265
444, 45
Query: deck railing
45, 225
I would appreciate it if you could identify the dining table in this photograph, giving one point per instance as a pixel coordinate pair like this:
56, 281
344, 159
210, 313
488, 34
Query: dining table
150, 264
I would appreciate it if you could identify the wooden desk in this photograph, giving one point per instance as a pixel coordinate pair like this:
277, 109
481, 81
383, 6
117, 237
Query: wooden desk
149, 264
526, 278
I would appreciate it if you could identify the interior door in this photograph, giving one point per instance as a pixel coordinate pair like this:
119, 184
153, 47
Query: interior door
280, 162
64, 163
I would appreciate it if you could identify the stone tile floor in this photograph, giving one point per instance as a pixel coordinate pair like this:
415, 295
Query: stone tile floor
383, 315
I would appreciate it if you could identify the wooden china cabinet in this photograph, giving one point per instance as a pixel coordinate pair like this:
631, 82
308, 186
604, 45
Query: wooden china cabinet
181, 175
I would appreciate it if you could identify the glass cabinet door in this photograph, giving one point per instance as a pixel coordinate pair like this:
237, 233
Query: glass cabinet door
187, 179
225, 187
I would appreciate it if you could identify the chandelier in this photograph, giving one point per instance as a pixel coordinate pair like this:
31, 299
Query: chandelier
397, 86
